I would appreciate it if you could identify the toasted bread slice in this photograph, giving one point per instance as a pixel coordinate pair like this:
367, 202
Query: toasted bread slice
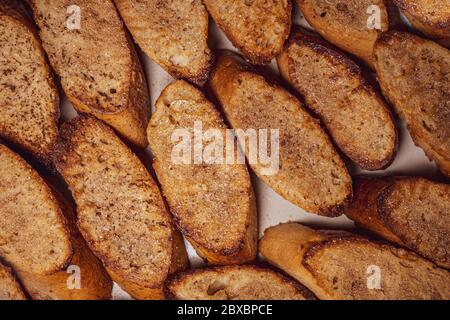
28, 97
97, 63
85, 278
213, 202
258, 28
346, 24
334, 88
414, 75
33, 231
337, 266
121, 213
245, 282
10, 288
310, 174
431, 17
174, 34
412, 212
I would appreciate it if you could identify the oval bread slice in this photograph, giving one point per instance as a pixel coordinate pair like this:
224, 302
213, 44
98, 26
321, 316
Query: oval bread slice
432, 17
10, 288
412, 212
333, 86
33, 231
175, 34
414, 75
344, 266
89, 48
245, 282
213, 202
121, 213
28, 97
258, 28
85, 278
310, 174
346, 23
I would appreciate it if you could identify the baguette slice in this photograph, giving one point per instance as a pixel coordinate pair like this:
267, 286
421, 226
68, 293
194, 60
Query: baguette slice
213, 203
121, 213
412, 212
99, 69
10, 288
33, 231
246, 282
343, 266
28, 97
258, 28
334, 88
431, 17
310, 174
414, 75
174, 34
94, 281
345, 23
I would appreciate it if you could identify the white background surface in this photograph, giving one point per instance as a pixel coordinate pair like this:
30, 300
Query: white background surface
273, 209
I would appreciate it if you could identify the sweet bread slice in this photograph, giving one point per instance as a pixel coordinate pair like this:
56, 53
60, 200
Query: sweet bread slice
89, 48
246, 282
121, 213
310, 173
28, 97
174, 34
33, 231
213, 203
355, 114
344, 266
412, 212
413, 74
258, 28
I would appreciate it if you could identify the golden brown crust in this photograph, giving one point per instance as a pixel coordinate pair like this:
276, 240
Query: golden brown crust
113, 189
412, 73
412, 212
242, 282
98, 64
345, 24
175, 35
432, 17
203, 196
30, 115
95, 283
10, 288
335, 89
256, 27
24, 192
347, 267
249, 101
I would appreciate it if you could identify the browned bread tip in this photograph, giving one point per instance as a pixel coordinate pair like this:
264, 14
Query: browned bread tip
245, 282
175, 35
412, 212
344, 266
346, 23
28, 97
310, 174
33, 231
10, 288
414, 75
121, 213
258, 28
355, 114
213, 203
96, 60
431, 17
